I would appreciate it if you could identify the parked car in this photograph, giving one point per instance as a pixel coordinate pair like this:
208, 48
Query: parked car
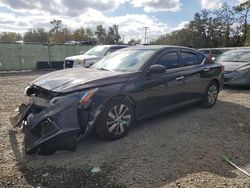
211, 53
72, 42
128, 85
91, 56
237, 67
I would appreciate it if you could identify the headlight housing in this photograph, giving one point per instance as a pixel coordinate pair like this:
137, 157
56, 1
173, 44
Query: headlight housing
84, 97
243, 69
87, 96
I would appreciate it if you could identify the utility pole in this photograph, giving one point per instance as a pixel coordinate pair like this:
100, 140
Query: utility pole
145, 36
123, 36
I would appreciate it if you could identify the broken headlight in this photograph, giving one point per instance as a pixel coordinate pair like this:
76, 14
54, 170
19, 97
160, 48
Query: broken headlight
84, 97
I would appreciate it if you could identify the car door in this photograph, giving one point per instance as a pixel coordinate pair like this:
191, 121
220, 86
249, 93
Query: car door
163, 91
193, 71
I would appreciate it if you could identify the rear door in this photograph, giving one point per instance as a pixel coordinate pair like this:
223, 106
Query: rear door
193, 72
162, 91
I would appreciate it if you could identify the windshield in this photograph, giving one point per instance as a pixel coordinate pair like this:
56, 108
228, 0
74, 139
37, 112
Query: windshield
98, 51
234, 56
129, 60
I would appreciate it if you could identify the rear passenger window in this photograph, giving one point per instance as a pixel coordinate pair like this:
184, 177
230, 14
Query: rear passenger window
169, 60
189, 59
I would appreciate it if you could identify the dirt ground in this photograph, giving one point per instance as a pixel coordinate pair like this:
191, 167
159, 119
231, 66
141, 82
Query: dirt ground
181, 148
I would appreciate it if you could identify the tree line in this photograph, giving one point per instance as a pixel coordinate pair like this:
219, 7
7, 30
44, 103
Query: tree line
60, 34
224, 27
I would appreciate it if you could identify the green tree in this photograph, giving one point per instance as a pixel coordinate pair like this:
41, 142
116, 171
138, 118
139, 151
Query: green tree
101, 34
89, 34
10, 36
117, 36
225, 18
113, 36
57, 24
243, 10
79, 34
110, 36
207, 29
36, 35
62, 36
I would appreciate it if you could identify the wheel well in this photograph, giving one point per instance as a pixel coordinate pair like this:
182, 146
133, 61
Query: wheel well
216, 81
128, 98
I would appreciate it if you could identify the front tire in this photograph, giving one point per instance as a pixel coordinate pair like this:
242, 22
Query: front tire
211, 95
115, 120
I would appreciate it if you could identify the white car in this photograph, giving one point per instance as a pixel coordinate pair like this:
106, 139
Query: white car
91, 56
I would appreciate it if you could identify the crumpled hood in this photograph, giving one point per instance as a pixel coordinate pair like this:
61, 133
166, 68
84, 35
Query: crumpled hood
231, 66
84, 56
68, 79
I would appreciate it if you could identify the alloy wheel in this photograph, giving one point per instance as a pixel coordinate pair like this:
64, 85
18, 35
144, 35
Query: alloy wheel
212, 94
118, 119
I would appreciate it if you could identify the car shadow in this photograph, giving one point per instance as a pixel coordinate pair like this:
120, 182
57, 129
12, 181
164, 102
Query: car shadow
236, 88
157, 151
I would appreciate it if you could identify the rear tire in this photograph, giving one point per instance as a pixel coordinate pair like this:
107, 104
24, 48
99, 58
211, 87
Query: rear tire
211, 95
115, 120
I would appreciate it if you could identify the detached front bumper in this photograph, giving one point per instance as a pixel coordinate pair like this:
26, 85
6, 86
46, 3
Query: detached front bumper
53, 128
237, 79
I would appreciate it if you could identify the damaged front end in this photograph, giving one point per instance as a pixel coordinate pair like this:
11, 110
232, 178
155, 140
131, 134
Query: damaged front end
54, 121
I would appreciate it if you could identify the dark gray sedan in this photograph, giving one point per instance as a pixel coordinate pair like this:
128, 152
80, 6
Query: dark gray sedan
125, 86
237, 67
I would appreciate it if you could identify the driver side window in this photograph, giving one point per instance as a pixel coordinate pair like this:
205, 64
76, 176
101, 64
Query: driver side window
169, 60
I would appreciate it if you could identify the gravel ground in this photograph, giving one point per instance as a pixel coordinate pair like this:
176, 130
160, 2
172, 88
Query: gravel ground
181, 148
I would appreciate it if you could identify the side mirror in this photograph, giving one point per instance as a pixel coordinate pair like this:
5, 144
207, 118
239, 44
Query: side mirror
157, 69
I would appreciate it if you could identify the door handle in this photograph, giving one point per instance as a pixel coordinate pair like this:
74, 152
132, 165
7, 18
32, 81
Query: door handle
206, 69
179, 78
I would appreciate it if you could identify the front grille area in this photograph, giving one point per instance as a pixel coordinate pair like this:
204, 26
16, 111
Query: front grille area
47, 127
69, 63
44, 128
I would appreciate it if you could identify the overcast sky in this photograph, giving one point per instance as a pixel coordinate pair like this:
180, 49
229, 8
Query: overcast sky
161, 16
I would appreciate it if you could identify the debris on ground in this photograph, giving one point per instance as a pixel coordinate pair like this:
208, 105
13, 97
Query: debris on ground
234, 165
95, 170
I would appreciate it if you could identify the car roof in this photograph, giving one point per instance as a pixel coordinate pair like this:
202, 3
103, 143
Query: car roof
159, 47
114, 45
239, 50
